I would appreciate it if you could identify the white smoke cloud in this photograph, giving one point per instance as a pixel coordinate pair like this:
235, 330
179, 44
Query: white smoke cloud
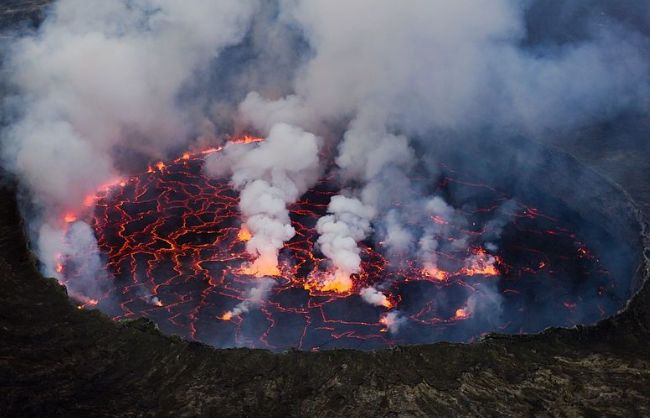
494, 227
263, 114
271, 175
393, 321
78, 249
485, 305
438, 207
254, 297
364, 155
421, 67
427, 255
448, 66
438, 233
103, 77
374, 297
348, 223
398, 238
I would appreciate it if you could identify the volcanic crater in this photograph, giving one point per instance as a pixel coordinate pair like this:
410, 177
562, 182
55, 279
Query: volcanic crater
173, 246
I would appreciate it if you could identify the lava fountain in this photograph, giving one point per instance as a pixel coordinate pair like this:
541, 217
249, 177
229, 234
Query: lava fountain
174, 250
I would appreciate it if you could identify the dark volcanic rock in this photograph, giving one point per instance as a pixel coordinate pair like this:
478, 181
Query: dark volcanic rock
56, 360
25, 13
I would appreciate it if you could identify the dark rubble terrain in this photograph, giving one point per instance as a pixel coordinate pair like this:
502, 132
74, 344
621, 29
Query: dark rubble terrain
57, 360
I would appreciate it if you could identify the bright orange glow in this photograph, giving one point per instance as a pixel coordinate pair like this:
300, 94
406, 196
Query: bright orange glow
436, 273
385, 322
261, 268
89, 200
211, 150
390, 321
338, 282
306, 285
69, 217
461, 313
160, 166
244, 234
88, 303
481, 264
247, 139
480, 269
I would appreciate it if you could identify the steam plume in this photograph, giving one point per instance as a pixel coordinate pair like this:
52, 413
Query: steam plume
270, 175
254, 297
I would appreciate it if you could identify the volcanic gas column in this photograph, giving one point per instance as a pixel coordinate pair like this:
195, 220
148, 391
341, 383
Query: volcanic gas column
347, 223
366, 155
269, 175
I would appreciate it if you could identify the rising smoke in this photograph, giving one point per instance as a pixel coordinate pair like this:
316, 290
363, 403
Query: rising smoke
270, 176
102, 84
254, 297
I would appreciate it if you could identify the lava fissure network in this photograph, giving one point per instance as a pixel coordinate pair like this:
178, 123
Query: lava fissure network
173, 247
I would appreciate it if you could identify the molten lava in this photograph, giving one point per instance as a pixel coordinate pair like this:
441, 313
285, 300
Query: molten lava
337, 282
260, 267
69, 218
174, 246
244, 234
461, 313
435, 273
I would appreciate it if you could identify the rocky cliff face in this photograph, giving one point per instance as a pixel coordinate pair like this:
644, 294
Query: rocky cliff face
57, 360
